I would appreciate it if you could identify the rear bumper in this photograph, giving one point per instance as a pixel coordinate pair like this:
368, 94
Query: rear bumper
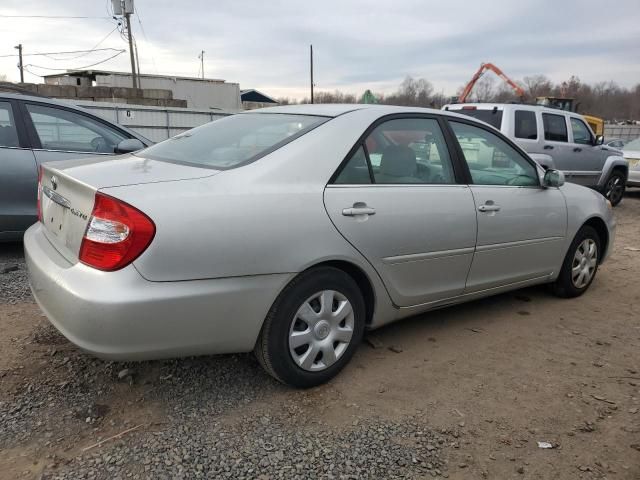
121, 316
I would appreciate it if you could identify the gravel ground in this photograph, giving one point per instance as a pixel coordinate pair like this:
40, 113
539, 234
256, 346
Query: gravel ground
466, 392
14, 287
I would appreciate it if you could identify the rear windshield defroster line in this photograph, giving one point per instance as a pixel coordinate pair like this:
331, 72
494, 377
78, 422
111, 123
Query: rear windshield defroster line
233, 141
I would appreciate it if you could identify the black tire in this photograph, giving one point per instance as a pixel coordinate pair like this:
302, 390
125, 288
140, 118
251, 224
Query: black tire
564, 286
272, 347
614, 187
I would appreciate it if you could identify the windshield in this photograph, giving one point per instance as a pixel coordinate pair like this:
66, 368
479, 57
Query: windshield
492, 117
234, 140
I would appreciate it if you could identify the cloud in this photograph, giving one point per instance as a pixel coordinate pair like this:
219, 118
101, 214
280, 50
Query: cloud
357, 44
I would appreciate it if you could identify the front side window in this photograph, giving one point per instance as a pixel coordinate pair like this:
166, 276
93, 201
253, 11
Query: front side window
581, 133
525, 125
491, 160
60, 129
8, 132
409, 150
555, 127
234, 140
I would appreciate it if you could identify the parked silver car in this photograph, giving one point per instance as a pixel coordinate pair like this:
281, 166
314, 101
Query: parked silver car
291, 230
34, 130
631, 152
558, 139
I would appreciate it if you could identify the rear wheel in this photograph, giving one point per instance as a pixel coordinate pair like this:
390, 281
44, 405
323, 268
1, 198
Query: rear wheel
615, 187
580, 265
313, 328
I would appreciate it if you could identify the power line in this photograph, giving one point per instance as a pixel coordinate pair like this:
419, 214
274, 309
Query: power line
91, 50
77, 68
61, 53
53, 16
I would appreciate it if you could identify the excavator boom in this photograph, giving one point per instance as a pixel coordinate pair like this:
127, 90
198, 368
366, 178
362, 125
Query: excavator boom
483, 68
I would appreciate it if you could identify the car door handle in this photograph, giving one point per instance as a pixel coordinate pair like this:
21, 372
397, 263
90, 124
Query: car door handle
353, 211
577, 149
488, 208
548, 147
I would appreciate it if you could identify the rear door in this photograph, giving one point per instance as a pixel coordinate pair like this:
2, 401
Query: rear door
398, 200
556, 142
521, 225
58, 133
18, 174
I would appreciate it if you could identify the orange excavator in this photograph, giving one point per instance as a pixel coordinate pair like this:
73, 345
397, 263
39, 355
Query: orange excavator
483, 68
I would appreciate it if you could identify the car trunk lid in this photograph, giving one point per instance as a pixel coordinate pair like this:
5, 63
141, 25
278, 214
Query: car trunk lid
68, 189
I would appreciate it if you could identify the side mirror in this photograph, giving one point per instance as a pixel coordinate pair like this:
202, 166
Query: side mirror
129, 145
553, 178
599, 140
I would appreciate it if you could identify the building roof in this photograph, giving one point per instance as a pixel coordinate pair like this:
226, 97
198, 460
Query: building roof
252, 95
93, 73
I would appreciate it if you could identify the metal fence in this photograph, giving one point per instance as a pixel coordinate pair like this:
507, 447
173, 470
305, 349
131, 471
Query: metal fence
625, 132
155, 123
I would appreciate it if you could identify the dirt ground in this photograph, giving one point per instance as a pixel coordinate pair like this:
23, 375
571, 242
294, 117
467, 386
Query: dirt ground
505, 372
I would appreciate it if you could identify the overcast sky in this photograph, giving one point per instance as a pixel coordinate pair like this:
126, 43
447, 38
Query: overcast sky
357, 44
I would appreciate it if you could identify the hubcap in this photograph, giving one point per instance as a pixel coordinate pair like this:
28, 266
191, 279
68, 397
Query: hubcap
584, 263
321, 330
614, 189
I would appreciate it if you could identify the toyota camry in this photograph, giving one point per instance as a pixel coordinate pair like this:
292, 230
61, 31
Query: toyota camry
290, 231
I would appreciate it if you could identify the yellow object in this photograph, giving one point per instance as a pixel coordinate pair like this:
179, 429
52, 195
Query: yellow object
596, 124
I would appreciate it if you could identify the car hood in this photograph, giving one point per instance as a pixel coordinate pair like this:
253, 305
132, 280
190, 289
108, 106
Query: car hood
629, 154
125, 170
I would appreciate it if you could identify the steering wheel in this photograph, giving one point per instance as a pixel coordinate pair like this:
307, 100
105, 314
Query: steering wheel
99, 145
520, 180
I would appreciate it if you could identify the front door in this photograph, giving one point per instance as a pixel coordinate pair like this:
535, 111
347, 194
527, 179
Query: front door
397, 201
18, 177
587, 159
521, 225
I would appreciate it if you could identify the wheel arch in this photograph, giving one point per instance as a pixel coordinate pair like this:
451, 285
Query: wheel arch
599, 225
360, 277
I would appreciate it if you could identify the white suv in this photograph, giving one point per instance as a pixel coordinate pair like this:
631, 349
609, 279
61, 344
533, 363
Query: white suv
558, 139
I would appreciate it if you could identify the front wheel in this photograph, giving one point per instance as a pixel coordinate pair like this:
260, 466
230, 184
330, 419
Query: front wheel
614, 188
313, 328
580, 265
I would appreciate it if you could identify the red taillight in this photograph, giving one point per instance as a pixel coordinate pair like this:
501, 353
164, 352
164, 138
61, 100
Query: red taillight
39, 204
116, 235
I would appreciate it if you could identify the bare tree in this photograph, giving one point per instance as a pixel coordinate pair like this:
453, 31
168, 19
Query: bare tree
537, 86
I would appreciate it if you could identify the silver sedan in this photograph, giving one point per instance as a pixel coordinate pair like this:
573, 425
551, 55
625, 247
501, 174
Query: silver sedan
289, 231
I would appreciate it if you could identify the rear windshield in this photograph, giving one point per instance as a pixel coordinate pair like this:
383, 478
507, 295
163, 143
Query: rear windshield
492, 117
234, 140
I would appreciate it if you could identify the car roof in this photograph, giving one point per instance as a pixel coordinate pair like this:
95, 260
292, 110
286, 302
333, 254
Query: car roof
336, 109
503, 106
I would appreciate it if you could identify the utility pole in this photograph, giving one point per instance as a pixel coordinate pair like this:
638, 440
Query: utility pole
20, 66
311, 64
127, 17
202, 63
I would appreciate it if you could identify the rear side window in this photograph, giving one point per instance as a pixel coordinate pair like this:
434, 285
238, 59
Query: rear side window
356, 171
526, 125
233, 141
60, 129
555, 127
493, 117
8, 132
